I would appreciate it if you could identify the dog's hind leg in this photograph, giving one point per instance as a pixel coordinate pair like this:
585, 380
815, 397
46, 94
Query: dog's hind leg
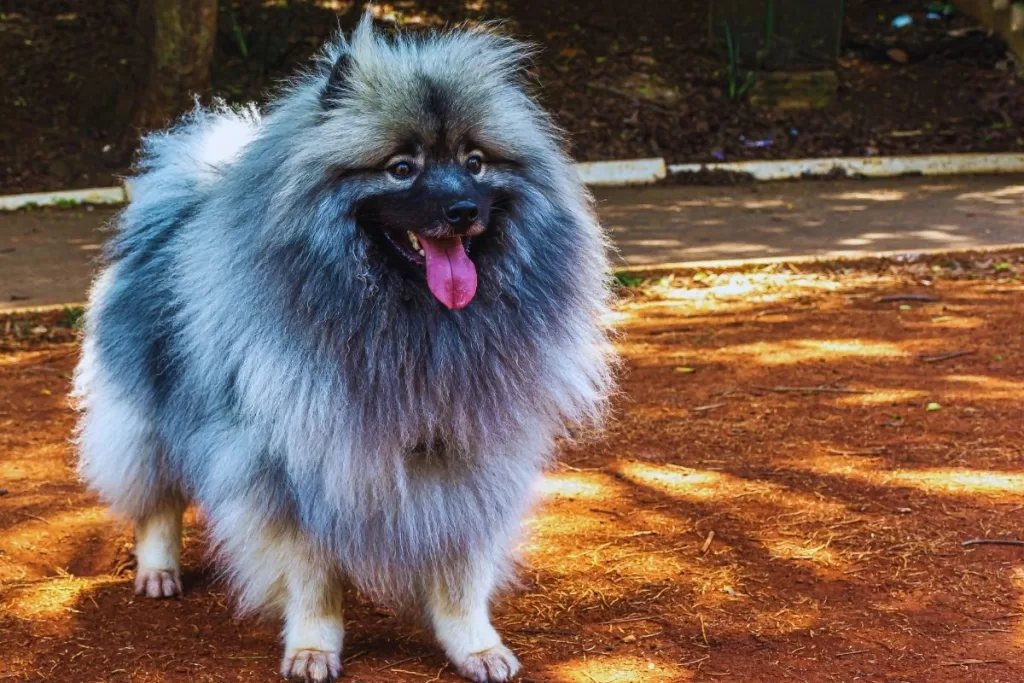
122, 460
457, 603
158, 551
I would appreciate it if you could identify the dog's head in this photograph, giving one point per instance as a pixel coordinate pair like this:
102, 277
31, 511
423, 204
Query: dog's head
430, 145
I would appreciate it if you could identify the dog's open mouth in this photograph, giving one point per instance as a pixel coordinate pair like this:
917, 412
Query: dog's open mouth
451, 275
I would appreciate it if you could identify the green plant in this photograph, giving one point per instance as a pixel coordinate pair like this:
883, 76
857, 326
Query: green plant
738, 84
769, 28
65, 202
73, 317
236, 31
741, 80
627, 280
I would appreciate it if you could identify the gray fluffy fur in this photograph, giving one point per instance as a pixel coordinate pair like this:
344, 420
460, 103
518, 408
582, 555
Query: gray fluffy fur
244, 348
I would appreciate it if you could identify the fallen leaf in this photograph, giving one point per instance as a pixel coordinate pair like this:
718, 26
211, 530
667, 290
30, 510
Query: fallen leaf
897, 55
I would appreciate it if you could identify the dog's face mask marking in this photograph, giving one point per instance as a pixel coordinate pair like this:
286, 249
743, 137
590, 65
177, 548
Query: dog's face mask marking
432, 214
431, 195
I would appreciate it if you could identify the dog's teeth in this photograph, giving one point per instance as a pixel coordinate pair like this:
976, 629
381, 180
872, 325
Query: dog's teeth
420, 252
415, 242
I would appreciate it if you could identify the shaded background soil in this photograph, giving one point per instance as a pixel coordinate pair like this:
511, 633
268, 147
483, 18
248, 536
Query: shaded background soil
625, 80
774, 501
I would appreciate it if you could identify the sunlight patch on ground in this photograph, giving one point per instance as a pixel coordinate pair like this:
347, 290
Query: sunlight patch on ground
595, 543
706, 485
802, 350
882, 397
870, 196
1009, 195
560, 527
616, 317
739, 284
989, 388
573, 485
963, 388
335, 5
754, 500
948, 323
943, 234
950, 480
764, 204
50, 598
685, 482
620, 669
815, 553
22, 357
944, 480
21, 465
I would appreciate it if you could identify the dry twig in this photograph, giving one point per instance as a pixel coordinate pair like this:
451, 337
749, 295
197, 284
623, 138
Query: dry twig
400, 661
821, 389
707, 542
991, 541
969, 662
892, 298
946, 356
878, 450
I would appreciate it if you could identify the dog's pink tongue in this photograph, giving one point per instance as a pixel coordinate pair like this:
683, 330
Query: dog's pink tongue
451, 276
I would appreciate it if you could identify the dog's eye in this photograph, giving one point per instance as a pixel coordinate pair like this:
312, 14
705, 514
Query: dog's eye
475, 163
403, 169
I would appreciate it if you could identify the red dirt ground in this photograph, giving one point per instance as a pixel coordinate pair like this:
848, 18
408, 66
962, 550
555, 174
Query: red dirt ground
746, 517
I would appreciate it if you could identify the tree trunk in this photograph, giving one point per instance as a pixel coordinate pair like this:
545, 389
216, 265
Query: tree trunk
176, 49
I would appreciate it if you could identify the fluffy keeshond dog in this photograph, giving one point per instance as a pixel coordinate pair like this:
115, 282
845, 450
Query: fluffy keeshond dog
351, 329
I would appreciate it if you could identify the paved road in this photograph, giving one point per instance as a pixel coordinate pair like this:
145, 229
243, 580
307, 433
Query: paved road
47, 257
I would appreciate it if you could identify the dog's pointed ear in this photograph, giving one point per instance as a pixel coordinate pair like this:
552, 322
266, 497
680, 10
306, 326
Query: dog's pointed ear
337, 84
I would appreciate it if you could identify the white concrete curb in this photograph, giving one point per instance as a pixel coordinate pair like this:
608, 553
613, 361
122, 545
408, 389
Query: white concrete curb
647, 171
93, 195
628, 172
875, 167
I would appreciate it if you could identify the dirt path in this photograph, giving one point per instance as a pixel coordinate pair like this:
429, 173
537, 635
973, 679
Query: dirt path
728, 527
48, 257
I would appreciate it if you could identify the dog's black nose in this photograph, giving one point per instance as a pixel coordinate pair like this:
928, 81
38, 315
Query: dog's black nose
461, 215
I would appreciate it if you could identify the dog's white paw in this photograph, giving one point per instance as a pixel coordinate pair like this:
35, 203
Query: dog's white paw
493, 665
311, 666
158, 583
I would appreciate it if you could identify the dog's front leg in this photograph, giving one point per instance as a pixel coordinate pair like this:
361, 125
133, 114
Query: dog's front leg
274, 566
457, 604
313, 614
313, 619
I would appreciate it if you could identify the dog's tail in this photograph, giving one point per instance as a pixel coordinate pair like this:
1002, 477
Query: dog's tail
176, 169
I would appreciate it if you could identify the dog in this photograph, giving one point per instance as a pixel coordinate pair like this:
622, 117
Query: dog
351, 328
